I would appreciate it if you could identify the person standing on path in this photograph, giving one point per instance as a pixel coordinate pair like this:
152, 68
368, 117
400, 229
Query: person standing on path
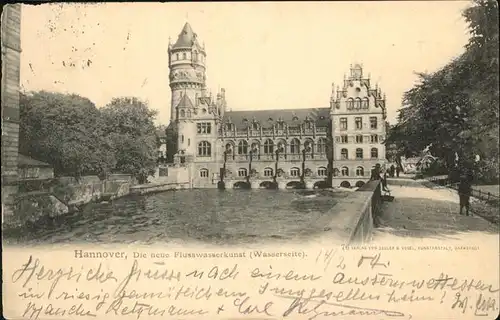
397, 171
464, 192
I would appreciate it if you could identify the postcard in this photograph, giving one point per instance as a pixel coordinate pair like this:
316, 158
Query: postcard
250, 160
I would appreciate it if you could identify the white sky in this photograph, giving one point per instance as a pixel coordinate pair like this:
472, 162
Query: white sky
266, 55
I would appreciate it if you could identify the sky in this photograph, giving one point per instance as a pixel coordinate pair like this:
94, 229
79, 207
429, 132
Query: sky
266, 55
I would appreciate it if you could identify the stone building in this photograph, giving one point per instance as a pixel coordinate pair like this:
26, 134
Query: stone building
359, 121
11, 53
263, 146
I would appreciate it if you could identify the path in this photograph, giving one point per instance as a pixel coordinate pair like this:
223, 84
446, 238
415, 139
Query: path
421, 212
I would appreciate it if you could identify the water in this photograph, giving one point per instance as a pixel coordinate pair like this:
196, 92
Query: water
209, 216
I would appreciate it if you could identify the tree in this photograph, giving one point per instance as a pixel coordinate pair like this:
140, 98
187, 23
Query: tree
455, 110
130, 127
66, 131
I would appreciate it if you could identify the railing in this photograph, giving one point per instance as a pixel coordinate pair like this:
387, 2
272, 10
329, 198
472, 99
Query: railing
272, 157
476, 193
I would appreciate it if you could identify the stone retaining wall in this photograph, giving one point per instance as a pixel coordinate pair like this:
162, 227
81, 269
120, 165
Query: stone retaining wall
356, 214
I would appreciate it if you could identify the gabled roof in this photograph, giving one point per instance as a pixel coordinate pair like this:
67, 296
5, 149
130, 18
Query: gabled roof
266, 118
25, 161
186, 38
185, 102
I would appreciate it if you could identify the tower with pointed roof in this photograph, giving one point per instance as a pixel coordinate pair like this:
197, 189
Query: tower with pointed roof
193, 112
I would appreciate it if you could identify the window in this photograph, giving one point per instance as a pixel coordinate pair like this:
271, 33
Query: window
343, 123
195, 56
184, 56
204, 128
358, 122
268, 172
242, 172
295, 146
204, 173
229, 126
365, 103
344, 171
344, 154
358, 103
359, 153
189, 142
182, 138
163, 172
189, 113
350, 103
295, 172
268, 146
359, 138
242, 147
344, 139
280, 126
321, 147
322, 172
360, 171
374, 153
183, 113
255, 126
176, 56
204, 149
335, 172
374, 138
373, 122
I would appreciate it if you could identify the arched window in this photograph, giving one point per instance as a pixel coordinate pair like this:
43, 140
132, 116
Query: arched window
176, 56
183, 113
268, 172
189, 113
322, 172
229, 148
268, 146
309, 143
335, 172
374, 153
359, 153
184, 56
321, 147
360, 171
204, 149
365, 103
242, 147
358, 103
255, 126
344, 154
350, 103
242, 172
295, 172
344, 171
295, 146
204, 173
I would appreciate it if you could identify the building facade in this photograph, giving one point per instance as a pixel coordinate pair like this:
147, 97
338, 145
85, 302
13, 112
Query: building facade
359, 121
265, 145
11, 57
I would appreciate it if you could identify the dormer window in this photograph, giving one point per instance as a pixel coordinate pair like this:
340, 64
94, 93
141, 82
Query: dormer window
229, 126
295, 118
270, 120
255, 126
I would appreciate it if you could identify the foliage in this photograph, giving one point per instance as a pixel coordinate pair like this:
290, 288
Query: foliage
65, 131
455, 110
130, 127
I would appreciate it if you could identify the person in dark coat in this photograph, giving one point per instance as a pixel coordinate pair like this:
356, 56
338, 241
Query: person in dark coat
464, 192
397, 171
391, 171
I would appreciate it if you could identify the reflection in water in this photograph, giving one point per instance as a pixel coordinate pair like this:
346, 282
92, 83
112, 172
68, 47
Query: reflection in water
212, 216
